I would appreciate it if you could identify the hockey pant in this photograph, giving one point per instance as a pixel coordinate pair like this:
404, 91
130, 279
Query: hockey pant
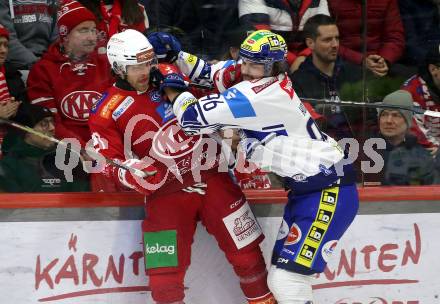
311, 227
168, 232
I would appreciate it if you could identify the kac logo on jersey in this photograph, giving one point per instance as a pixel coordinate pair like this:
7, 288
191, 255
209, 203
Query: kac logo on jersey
171, 142
77, 105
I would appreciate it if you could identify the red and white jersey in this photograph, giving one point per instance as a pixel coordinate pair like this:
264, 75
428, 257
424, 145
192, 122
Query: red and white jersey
69, 89
426, 128
126, 124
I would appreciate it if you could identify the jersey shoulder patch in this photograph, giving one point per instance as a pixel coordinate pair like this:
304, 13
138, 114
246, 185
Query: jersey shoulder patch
238, 103
96, 106
122, 107
110, 104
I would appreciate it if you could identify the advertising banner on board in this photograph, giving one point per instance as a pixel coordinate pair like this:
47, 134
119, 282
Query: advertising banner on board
383, 259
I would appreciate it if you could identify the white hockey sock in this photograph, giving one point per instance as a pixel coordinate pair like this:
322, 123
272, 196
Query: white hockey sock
290, 287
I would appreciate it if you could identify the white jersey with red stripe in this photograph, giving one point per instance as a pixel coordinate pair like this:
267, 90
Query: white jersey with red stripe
426, 128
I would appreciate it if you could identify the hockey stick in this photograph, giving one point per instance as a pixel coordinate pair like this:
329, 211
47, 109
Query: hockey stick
416, 110
92, 153
201, 86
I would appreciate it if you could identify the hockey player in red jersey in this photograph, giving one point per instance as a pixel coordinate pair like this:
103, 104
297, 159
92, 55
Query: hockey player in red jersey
133, 124
71, 76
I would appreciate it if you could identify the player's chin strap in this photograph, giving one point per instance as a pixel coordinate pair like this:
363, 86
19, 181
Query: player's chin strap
416, 110
81, 151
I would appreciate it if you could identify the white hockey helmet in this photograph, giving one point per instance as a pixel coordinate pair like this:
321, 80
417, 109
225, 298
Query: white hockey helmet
129, 47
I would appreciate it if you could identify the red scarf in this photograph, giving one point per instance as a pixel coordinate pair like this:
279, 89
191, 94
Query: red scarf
4, 91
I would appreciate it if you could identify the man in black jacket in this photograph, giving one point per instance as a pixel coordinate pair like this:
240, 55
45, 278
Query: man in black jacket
323, 74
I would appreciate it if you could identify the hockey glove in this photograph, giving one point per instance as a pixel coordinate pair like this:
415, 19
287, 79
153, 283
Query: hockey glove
165, 45
143, 184
174, 81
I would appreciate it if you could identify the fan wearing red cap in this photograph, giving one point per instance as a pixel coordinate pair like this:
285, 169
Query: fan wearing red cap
71, 76
77, 30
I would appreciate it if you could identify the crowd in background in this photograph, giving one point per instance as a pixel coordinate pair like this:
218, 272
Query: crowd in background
54, 69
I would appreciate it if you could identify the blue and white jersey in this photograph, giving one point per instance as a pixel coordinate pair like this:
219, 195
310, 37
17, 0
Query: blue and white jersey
277, 132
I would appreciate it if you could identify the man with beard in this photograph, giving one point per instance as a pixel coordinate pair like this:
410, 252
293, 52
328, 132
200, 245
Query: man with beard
323, 74
133, 124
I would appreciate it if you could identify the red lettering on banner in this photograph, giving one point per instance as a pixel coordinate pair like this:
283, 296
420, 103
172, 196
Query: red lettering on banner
409, 253
136, 256
387, 257
111, 269
89, 263
367, 258
72, 242
45, 275
52, 274
343, 263
68, 271
373, 300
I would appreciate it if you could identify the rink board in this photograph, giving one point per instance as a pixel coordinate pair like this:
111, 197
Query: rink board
384, 258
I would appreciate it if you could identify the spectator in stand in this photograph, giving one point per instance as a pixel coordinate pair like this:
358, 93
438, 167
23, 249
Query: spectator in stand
8, 80
115, 16
12, 89
425, 90
71, 77
405, 161
322, 75
30, 164
385, 34
200, 25
286, 18
421, 21
32, 28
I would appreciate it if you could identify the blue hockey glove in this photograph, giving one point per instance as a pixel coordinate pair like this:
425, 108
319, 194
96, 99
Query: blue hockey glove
175, 81
165, 45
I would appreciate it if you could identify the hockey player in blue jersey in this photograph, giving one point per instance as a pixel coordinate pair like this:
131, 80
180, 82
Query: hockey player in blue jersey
277, 134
